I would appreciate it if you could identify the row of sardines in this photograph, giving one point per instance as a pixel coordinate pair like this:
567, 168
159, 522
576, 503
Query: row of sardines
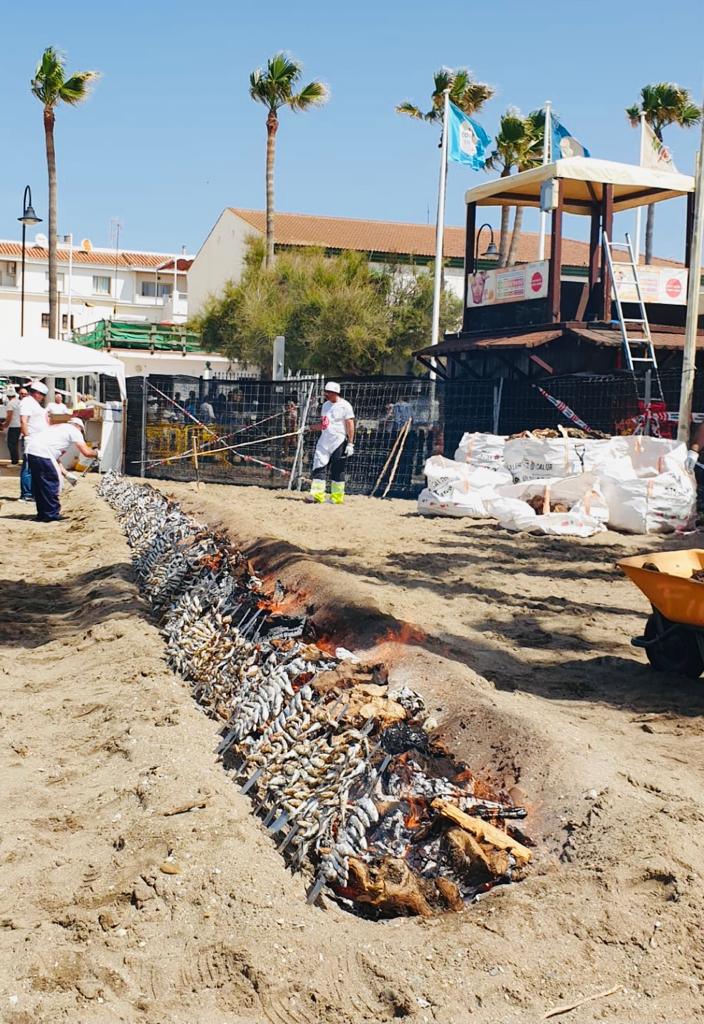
338, 766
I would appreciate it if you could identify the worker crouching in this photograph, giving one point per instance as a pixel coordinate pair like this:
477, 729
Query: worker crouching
44, 449
334, 447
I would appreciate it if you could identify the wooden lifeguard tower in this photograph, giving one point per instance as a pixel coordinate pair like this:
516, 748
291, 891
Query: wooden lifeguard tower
542, 318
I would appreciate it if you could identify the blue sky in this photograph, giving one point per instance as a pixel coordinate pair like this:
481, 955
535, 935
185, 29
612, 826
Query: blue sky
170, 136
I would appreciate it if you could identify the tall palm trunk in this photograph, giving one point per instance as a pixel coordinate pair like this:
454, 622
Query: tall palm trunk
517, 226
505, 215
51, 170
649, 225
272, 124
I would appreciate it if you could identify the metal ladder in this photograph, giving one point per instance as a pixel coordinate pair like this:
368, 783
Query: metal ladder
640, 354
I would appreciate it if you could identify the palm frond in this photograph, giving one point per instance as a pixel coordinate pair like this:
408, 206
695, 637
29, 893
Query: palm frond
78, 87
633, 115
311, 95
411, 110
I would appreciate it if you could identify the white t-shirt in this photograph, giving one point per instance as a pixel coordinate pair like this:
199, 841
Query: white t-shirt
332, 423
53, 442
37, 415
58, 408
12, 413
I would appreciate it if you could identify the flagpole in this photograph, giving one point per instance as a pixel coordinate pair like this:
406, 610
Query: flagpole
547, 155
639, 210
440, 229
689, 358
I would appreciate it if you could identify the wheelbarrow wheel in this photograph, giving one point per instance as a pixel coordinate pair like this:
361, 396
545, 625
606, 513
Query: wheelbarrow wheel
678, 652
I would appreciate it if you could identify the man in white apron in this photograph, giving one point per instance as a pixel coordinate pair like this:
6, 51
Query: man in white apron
43, 451
334, 447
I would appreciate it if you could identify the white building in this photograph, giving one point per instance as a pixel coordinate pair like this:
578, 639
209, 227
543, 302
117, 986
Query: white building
94, 284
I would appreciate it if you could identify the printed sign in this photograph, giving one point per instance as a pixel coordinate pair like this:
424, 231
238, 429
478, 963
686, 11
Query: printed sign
508, 284
657, 284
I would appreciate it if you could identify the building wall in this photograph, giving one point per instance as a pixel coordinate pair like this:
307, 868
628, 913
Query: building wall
220, 259
88, 301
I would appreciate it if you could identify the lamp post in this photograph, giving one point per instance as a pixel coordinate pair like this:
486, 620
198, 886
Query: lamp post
491, 249
28, 217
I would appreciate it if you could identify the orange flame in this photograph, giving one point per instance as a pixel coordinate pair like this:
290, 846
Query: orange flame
417, 807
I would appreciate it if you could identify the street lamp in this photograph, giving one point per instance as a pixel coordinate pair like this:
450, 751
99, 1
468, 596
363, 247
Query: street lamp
28, 217
491, 249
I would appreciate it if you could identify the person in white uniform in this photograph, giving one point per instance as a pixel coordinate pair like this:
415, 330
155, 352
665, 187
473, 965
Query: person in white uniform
33, 419
12, 423
58, 407
334, 447
43, 452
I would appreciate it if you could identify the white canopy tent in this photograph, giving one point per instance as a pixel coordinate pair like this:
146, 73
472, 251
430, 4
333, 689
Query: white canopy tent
42, 357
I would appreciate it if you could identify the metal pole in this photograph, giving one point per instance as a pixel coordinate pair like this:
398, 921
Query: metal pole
24, 238
440, 230
689, 359
547, 155
70, 285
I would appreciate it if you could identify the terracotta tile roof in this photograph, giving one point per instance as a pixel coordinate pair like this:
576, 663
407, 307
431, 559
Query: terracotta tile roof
396, 237
183, 263
152, 260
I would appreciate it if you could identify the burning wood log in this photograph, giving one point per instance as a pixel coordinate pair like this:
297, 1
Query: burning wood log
483, 830
392, 888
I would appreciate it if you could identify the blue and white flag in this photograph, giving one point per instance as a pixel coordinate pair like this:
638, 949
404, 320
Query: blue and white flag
467, 140
563, 144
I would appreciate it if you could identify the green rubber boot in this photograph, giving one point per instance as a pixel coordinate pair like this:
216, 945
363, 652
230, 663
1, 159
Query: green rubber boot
337, 493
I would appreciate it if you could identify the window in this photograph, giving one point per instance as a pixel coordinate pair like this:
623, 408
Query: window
156, 289
101, 285
64, 321
59, 281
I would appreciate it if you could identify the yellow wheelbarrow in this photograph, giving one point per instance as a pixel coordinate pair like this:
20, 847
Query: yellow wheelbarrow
673, 639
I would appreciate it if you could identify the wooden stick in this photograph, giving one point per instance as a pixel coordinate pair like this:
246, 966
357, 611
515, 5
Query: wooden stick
405, 430
483, 830
580, 1002
385, 466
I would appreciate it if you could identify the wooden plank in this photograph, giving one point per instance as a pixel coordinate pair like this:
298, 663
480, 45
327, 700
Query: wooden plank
555, 259
469, 264
594, 251
483, 830
689, 229
607, 225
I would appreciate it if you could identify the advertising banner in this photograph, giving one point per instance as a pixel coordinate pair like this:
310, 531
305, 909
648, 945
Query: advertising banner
657, 284
508, 284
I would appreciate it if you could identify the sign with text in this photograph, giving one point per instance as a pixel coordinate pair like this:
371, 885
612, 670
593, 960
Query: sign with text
508, 284
657, 284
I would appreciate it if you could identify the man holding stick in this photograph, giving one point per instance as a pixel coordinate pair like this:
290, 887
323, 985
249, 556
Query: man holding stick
334, 447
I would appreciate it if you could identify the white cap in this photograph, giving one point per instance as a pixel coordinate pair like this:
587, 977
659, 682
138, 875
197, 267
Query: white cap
332, 386
38, 385
76, 421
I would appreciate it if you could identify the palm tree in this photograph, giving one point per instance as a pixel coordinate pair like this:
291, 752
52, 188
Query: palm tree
274, 87
663, 103
508, 153
528, 148
51, 87
466, 93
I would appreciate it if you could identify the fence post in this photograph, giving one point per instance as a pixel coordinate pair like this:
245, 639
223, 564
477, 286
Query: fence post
498, 390
143, 447
296, 469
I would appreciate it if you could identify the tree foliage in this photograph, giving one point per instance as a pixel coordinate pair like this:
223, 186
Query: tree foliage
465, 92
337, 313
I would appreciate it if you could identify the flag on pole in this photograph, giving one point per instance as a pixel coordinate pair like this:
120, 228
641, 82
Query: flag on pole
653, 153
468, 142
565, 145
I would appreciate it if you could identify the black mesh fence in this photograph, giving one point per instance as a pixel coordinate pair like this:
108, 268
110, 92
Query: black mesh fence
264, 432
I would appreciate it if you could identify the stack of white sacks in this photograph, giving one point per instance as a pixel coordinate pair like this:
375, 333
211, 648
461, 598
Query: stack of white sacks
635, 484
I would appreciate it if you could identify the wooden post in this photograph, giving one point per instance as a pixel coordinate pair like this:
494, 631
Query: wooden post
607, 226
555, 260
469, 243
689, 229
594, 238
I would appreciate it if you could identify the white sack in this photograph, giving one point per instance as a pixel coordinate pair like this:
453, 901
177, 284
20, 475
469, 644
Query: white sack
651, 456
514, 514
536, 458
581, 493
470, 505
481, 450
659, 504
